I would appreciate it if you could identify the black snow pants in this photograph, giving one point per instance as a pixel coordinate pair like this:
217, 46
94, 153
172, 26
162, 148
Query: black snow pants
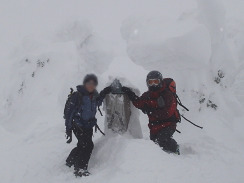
80, 155
164, 139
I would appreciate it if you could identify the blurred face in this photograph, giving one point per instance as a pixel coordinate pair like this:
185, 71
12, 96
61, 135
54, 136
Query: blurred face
90, 86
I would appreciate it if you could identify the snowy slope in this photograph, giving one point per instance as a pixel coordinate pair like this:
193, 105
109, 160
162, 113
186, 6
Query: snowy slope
48, 46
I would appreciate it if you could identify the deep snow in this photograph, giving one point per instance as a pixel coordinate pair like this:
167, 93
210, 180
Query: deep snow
48, 46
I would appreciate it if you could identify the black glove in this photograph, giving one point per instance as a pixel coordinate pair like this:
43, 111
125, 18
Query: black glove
126, 89
107, 90
69, 136
132, 96
161, 102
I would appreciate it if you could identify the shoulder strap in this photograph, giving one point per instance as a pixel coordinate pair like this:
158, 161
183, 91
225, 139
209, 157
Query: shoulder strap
79, 97
78, 105
180, 103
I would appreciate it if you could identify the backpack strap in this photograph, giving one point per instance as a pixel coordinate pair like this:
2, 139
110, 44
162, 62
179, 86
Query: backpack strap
79, 104
100, 110
98, 128
180, 103
191, 122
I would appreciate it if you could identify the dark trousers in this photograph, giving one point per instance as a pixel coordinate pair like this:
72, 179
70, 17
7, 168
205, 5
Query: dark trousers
164, 139
80, 155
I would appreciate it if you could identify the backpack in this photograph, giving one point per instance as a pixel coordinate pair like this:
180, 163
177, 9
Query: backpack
68, 102
171, 86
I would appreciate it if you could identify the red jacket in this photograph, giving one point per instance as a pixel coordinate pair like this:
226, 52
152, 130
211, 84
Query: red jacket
159, 117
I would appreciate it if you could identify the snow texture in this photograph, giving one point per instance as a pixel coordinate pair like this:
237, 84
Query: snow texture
48, 46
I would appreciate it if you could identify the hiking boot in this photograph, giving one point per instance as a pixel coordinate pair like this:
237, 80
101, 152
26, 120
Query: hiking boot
177, 151
81, 173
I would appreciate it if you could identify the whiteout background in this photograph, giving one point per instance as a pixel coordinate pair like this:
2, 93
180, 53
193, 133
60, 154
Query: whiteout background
189, 40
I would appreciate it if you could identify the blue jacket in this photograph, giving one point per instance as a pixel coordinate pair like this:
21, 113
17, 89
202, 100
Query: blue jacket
82, 108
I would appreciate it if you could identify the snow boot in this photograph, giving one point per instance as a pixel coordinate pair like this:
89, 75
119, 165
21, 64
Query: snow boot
81, 173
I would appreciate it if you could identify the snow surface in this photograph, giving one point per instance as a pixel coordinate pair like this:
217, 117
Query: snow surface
48, 46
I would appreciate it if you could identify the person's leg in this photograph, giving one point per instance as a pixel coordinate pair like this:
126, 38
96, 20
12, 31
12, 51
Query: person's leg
70, 161
85, 147
164, 140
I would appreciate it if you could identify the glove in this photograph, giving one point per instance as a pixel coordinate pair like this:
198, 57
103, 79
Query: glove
132, 96
107, 90
161, 102
69, 136
126, 90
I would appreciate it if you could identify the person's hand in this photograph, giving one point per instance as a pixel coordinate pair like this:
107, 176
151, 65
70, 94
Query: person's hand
107, 90
126, 89
69, 136
161, 102
132, 96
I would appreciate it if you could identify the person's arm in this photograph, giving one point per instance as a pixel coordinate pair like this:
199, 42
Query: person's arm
102, 95
170, 105
142, 102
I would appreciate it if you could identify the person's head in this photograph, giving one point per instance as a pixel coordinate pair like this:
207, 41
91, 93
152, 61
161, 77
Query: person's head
154, 80
90, 82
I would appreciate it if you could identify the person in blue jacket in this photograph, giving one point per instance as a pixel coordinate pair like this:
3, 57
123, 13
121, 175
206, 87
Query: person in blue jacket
80, 111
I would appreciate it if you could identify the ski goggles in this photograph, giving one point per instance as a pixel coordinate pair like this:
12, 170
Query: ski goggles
152, 82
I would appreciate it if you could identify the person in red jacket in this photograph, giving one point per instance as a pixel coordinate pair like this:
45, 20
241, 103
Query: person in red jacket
160, 104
